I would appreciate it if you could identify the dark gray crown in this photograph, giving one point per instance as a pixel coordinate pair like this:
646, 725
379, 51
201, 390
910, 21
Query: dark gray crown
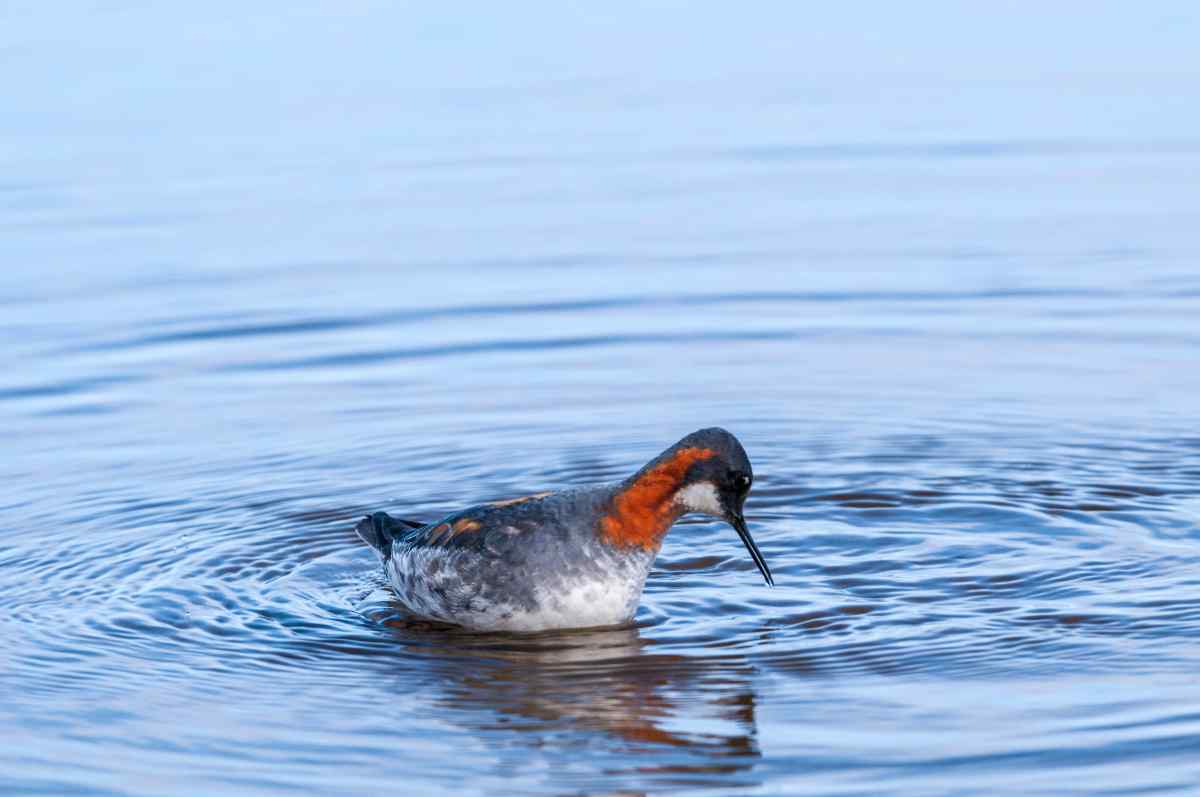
730, 456
728, 448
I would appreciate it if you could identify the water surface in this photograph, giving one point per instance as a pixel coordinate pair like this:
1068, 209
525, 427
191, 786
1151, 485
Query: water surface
263, 274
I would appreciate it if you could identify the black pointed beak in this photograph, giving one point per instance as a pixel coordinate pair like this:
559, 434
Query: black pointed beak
739, 524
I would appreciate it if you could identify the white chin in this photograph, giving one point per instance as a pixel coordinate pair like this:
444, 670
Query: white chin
700, 497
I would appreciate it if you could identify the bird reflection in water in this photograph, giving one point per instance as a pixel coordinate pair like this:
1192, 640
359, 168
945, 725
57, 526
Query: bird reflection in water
606, 683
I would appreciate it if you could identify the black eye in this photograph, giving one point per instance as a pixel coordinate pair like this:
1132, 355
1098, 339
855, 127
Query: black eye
741, 481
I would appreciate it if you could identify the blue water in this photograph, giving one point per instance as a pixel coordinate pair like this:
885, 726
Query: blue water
937, 266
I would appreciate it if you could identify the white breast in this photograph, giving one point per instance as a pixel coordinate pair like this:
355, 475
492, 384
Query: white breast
612, 601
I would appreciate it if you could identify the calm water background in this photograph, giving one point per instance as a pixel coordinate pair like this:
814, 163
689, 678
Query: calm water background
266, 269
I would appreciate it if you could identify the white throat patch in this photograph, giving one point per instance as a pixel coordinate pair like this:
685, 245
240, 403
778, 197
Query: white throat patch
700, 497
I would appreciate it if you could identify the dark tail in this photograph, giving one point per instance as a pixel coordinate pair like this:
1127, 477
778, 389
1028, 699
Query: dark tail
379, 531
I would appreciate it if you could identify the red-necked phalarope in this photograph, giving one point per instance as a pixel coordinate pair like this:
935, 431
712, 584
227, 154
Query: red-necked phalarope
569, 559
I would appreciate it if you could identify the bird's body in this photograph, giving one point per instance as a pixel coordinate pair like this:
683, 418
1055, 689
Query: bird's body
570, 559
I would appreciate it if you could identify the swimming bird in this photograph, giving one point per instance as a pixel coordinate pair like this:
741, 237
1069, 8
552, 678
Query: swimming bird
571, 559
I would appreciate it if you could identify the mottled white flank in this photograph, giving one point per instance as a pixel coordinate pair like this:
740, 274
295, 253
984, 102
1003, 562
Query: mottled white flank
612, 600
700, 497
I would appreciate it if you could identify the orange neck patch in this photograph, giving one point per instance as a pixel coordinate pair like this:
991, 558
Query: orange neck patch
644, 510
